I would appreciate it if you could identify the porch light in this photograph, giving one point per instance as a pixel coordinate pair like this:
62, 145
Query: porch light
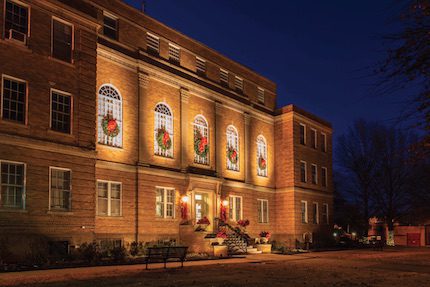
225, 203
184, 199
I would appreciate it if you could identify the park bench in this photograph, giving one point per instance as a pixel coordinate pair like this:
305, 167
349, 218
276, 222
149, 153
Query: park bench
164, 253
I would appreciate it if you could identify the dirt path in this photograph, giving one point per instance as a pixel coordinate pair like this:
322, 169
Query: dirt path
394, 267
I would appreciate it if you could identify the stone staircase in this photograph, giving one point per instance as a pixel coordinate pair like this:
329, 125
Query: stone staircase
236, 244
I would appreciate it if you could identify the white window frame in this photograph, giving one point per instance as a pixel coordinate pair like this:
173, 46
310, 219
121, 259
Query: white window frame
263, 214
223, 76
51, 168
24, 190
324, 182
109, 198
312, 174
260, 95
262, 151
20, 3
325, 213
109, 102
163, 116
306, 171
233, 207
65, 94
165, 203
153, 42
317, 219
201, 124
232, 140
304, 137
306, 212
174, 53
324, 143
315, 137
200, 65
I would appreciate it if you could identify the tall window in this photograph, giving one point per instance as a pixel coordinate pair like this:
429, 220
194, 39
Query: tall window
232, 148
263, 211
12, 188
60, 189
174, 54
61, 106
201, 140
235, 207
261, 156
153, 43
62, 40
110, 26
314, 174
109, 116
325, 213
324, 176
16, 21
165, 202
315, 216
303, 172
163, 132
109, 197
314, 138
302, 134
304, 211
323, 142
14, 94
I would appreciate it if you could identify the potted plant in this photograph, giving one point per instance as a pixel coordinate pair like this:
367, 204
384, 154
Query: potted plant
264, 245
202, 224
221, 236
264, 237
243, 223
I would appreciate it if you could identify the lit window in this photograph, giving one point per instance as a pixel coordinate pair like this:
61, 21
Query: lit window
260, 95
263, 211
109, 198
14, 96
165, 202
12, 188
261, 156
62, 40
200, 66
304, 211
302, 134
60, 189
325, 213
315, 216
174, 54
163, 131
16, 21
314, 138
238, 84
235, 207
153, 43
61, 105
232, 149
314, 174
323, 142
110, 27
324, 176
303, 172
201, 140
223, 77
109, 116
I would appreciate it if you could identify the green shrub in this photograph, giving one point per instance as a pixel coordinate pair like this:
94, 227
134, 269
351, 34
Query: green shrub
90, 252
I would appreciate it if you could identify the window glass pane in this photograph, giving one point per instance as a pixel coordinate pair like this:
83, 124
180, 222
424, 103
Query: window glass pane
60, 112
12, 185
110, 27
60, 189
109, 116
115, 207
115, 191
14, 100
62, 41
159, 202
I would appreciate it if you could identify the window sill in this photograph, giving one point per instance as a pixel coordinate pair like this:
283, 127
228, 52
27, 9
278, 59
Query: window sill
110, 217
60, 212
166, 219
71, 65
17, 44
110, 147
13, 210
14, 123
54, 132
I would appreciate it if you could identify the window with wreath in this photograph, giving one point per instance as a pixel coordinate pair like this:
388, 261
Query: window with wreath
163, 132
232, 148
201, 140
261, 156
109, 116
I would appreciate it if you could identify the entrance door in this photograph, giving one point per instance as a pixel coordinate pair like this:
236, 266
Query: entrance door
201, 205
413, 239
427, 234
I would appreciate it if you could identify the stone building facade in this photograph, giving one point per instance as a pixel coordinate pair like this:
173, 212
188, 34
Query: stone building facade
117, 127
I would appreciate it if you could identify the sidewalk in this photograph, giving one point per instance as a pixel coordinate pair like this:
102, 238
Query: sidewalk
83, 273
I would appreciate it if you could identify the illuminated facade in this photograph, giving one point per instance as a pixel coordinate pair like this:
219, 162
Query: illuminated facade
111, 122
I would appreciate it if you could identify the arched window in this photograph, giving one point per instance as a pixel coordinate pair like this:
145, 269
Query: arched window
109, 116
232, 148
261, 156
201, 140
163, 131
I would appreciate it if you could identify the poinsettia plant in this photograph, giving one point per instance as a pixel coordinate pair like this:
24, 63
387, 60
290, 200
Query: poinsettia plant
232, 154
163, 139
265, 234
201, 146
243, 223
110, 126
262, 164
221, 234
203, 220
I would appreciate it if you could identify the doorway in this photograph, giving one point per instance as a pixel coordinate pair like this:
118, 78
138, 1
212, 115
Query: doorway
201, 205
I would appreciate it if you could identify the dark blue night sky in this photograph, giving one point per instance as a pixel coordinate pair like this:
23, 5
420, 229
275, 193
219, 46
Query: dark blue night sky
321, 54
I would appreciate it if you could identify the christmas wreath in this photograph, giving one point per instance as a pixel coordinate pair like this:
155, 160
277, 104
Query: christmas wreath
232, 155
163, 139
110, 126
262, 163
201, 146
